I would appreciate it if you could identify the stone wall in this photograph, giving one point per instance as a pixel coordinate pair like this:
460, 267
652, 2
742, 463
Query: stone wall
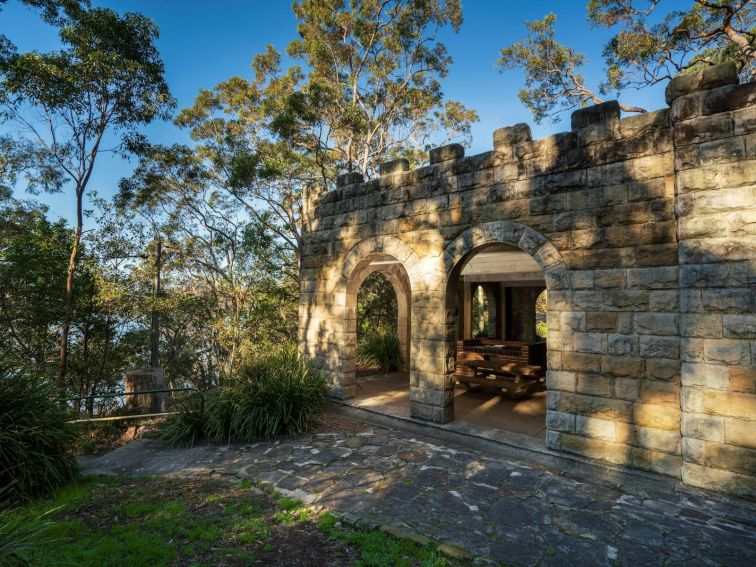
644, 228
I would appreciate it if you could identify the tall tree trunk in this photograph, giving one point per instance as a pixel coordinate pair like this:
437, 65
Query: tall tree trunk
68, 313
155, 331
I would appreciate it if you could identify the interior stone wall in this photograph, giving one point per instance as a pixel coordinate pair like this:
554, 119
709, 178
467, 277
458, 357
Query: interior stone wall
645, 230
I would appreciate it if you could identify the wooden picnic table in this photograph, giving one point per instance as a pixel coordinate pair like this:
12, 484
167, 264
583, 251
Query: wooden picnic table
514, 379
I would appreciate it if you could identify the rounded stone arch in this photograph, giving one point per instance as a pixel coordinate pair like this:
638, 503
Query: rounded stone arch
379, 245
397, 261
457, 252
556, 274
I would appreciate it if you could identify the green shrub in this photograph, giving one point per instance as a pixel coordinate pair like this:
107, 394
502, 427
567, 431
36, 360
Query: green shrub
36, 443
381, 349
18, 535
187, 427
275, 395
542, 329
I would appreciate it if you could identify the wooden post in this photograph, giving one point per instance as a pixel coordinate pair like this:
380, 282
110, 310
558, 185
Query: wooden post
466, 310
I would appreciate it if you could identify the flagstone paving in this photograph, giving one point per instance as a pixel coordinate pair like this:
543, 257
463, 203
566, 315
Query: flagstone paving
503, 508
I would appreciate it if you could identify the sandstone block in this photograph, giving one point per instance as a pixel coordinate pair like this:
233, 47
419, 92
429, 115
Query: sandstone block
596, 428
503, 138
581, 362
561, 380
656, 416
742, 326
624, 366
664, 440
718, 480
743, 379
659, 347
740, 432
729, 404
705, 427
627, 388
662, 393
560, 421
605, 408
712, 376
622, 344
667, 369
398, 165
350, 178
728, 351
709, 78
594, 385
656, 323
446, 153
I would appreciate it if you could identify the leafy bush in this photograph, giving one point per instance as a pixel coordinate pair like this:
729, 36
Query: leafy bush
186, 427
18, 535
36, 443
542, 329
381, 349
275, 395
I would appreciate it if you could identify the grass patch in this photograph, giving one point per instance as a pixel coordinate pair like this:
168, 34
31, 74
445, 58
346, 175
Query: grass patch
104, 521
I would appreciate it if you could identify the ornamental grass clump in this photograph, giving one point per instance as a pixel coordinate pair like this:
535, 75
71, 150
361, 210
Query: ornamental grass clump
381, 349
273, 395
36, 442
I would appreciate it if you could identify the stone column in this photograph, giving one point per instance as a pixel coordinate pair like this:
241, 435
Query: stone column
714, 122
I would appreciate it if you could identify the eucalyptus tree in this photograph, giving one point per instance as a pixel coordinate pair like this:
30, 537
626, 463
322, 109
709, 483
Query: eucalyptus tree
71, 105
363, 86
223, 276
647, 46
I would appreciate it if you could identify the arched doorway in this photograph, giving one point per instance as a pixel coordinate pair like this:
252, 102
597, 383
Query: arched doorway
378, 383
502, 269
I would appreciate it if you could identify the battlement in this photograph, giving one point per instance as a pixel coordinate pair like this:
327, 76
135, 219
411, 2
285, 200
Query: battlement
598, 136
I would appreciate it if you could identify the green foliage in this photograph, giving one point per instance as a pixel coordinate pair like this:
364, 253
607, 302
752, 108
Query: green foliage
187, 427
377, 307
379, 549
645, 47
380, 349
549, 68
36, 443
482, 320
541, 308
124, 522
542, 329
17, 539
277, 394
649, 46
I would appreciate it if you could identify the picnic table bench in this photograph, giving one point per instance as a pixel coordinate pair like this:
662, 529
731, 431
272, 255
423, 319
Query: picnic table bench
515, 379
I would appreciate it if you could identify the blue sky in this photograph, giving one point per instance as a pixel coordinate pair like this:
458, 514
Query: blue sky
204, 42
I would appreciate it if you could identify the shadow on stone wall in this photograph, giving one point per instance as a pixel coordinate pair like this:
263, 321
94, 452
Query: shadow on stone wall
644, 229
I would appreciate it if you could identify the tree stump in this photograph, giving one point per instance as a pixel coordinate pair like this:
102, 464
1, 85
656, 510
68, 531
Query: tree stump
144, 380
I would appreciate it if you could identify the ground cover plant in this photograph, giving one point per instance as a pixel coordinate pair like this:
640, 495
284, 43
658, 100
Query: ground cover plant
380, 349
160, 521
277, 394
36, 442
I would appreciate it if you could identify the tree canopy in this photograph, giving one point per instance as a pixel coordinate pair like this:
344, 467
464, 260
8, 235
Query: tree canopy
647, 46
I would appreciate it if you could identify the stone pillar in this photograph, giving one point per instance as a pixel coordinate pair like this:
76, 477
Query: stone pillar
714, 122
432, 365
142, 380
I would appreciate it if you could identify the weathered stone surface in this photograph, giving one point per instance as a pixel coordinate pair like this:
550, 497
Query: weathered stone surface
446, 153
643, 231
511, 135
349, 178
709, 78
394, 166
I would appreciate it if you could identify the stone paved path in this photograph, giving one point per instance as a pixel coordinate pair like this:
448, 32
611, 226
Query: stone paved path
500, 507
